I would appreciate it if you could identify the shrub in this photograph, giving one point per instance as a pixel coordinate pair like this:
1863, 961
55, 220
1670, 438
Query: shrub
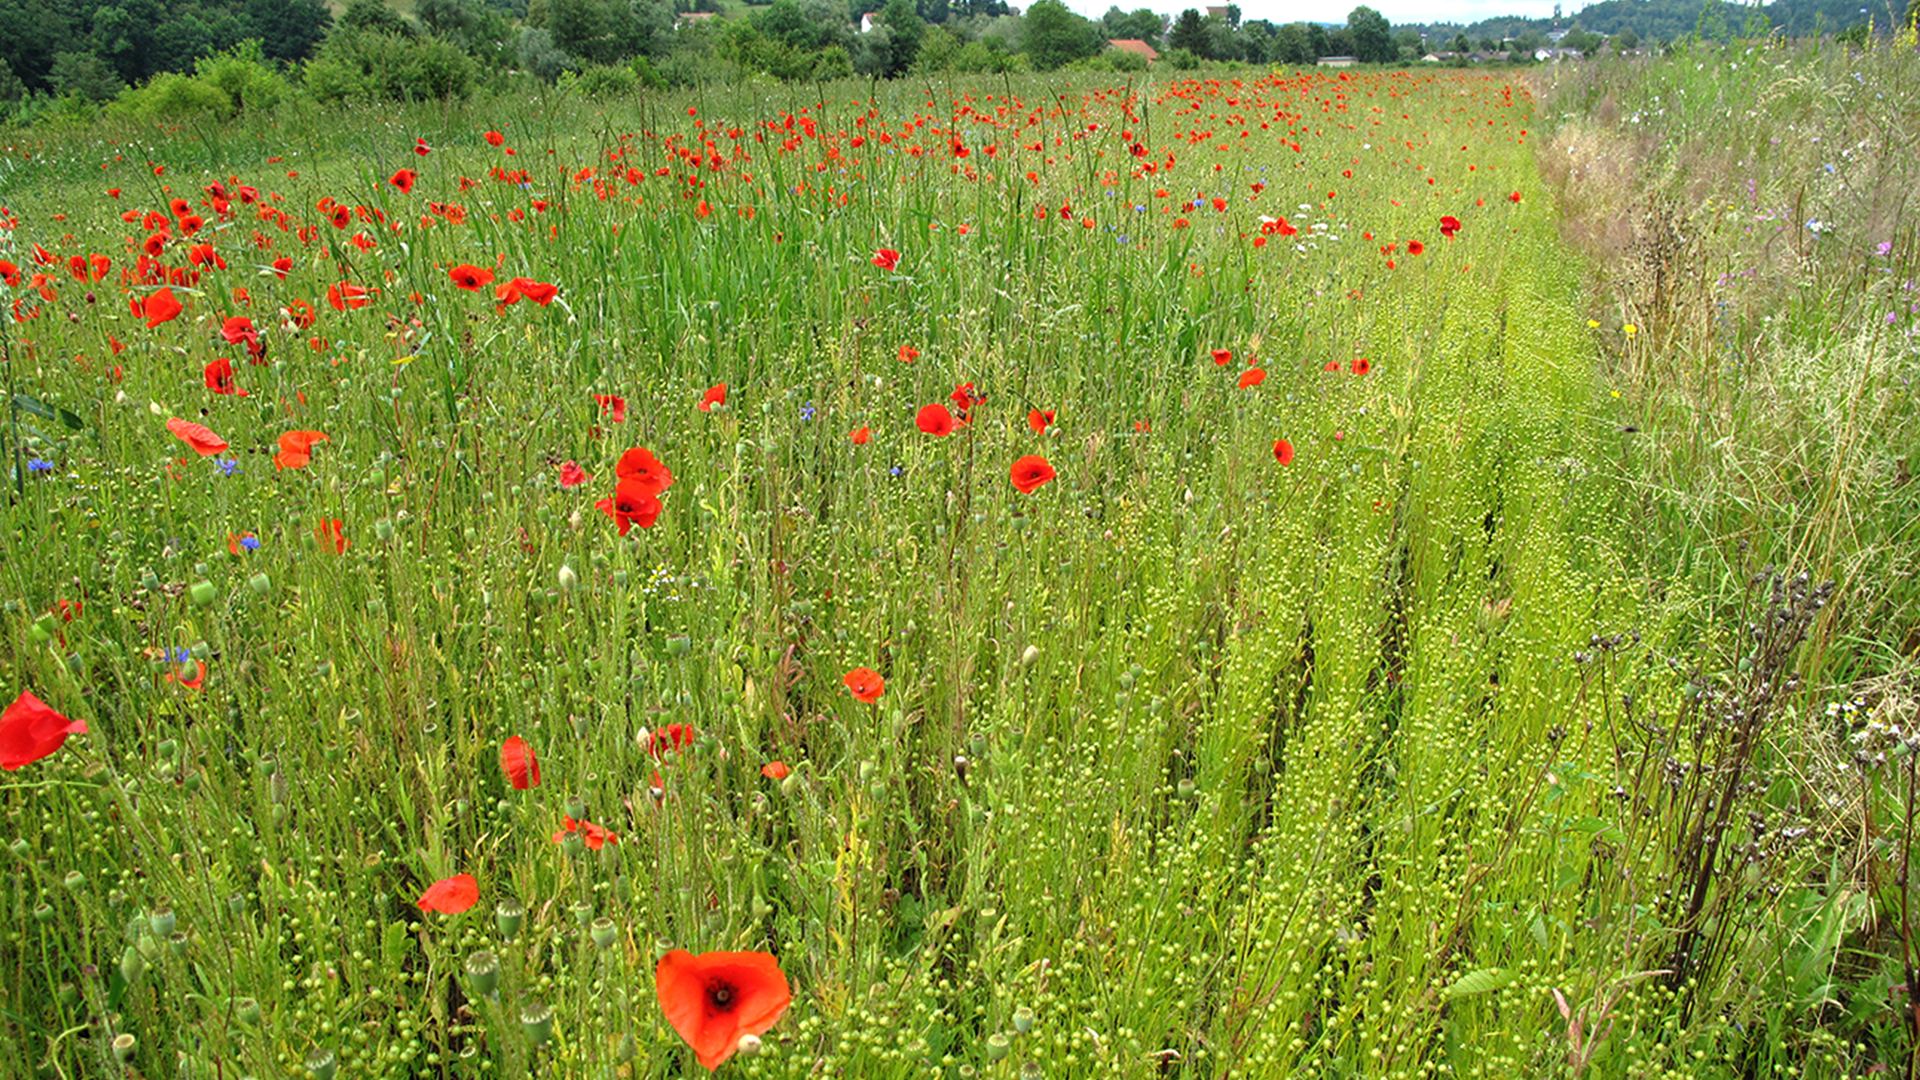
170, 96
368, 67
602, 80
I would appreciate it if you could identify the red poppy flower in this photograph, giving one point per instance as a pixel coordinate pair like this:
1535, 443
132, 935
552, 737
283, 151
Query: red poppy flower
331, 535
861, 436
1283, 451
572, 475
613, 408
715, 395
296, 449
518, 762
1361, 366
1252, 377
281, 267
631, 505
1515, 197
537, 291
31, 730
1223, 357
219, 377
775, 770
716, 999
669, 738
908, 354
886, 258
239, 329
403, 179
866, 684
420, 147
1449, 225
343, 296
158, 308
1039, 421
494, 138
194, 681
451, 895
595, 836
470, 277
640, 468
1030, 472
10, 274
964, 398
935, 420
204, 442
1415, 247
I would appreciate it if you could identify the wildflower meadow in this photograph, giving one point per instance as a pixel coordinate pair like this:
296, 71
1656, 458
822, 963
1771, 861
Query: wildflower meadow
1251, 574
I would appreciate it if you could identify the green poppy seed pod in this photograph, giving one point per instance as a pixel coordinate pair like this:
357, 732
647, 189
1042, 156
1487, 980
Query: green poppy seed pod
679, 645
620, 578
261, 584
867, 771
628, 1050
192, 783
42, 630
20, 848
569, 580
1030, 656
149, 581
203, 594
177, 942
582, 912
68, 994
483, 973
132, 965
750, 1046
123, 1047
576, 807
998, 1046
1031, 1071
604, 932
383, 528
1184, 790
167, 748
74, 881
161, 921
507, 916
43, 913
247, 1011
537, 1020
321, 1063
623, 889
1023, 1019
1128, 678
236, 904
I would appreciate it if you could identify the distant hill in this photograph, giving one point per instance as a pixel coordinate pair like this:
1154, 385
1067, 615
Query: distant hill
1665, 20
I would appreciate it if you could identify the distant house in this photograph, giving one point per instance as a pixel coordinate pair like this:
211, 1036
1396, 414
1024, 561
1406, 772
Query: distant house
868, 21
1135, 46
1217, 13
1336, 61
692, 18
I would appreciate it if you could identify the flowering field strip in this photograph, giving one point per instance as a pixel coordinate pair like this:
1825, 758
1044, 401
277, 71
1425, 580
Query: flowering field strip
1089, 578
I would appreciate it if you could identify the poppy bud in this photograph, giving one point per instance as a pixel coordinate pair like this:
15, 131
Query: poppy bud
537, 1020
383, 529
132, 965
750, 1045
604, 932
507, 916
998, 1046
483, 973
161, 921
628, 1050
247, 1011
260, 584
1023, 1019
123, 1046
321, 1063
43, 913
1030, 656
20, 848
203, 594
568, 579
42, 630
867, 769
790, 784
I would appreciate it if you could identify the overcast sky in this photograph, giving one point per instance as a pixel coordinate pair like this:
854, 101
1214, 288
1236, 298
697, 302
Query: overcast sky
1335, 11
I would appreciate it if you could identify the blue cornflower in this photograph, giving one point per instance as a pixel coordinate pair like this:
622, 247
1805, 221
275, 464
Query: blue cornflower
39, 465
228, 466
806, 411
251, 543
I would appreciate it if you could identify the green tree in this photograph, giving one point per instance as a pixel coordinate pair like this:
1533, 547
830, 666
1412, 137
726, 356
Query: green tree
1372, 37
938, 50
289, 30
375, 16
1291, 46
1189, 32
1626, 40
1461, 44
908, 31
1055, 36
85, 75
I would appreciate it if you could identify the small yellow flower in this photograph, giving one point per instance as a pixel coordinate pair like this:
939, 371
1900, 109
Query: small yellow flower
1630, 329
1593, 324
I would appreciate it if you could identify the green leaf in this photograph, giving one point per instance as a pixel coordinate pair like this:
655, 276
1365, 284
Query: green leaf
25, 404
1483, 981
